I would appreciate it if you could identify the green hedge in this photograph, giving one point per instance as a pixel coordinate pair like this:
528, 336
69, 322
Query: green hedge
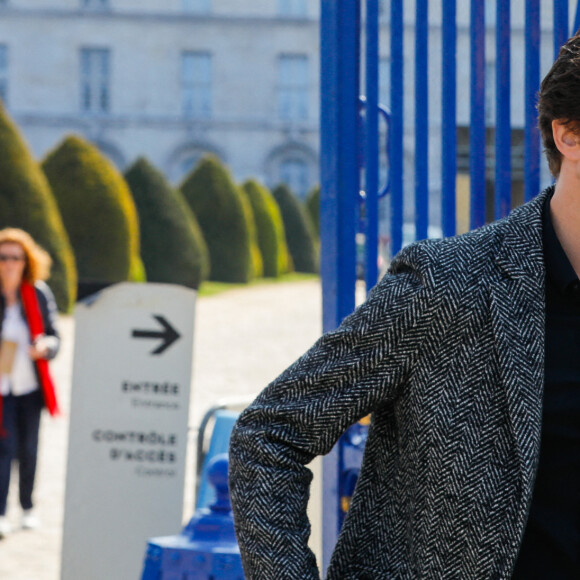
217, 203
313, 207
26, 202
271, 236
300, 235
255, 254
172, 245
98, 212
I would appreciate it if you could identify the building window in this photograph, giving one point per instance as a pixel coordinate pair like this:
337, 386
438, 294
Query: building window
296, 175
293, 87
196, 83
96, 4
385, 81
292, 8
95, 80
3, 73
383, 10
187, 164
489, 84
196, 6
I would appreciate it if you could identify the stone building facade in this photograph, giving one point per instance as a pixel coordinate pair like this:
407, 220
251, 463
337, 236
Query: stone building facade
171, 80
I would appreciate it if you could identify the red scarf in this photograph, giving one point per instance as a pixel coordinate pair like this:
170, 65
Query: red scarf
36, 328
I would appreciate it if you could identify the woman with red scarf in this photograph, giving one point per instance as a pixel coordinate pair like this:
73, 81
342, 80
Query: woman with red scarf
28, 340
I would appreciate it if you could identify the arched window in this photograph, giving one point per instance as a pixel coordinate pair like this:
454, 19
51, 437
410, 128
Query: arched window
294, 164
188, 162
185, 157
295, 173
113, 153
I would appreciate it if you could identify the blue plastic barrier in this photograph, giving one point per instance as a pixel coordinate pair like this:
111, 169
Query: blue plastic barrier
219, 443
206, 549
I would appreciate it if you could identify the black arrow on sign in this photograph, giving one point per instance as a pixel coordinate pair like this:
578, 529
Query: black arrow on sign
168, 334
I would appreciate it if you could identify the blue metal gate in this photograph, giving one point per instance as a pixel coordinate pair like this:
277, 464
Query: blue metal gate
354, 139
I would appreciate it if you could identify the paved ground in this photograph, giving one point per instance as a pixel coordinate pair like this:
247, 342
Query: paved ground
244, 338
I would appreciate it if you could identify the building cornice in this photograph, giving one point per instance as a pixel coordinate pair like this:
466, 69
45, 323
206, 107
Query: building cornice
142, 16
179, 17
85, 122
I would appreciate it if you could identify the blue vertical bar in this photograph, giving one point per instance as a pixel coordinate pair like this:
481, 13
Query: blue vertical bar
449, 118
396, 128
560, 25
372, 142
329, 227
339, 192
532, 84
477, 114
503, 175
339, 156
421, 119
329, 162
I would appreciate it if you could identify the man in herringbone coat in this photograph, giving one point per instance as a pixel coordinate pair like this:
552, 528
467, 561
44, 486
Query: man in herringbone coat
466, 354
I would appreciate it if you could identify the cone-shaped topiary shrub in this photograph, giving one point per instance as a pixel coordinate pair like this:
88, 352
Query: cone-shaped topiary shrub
271, 237
98, 212
217, 203
26, 202
172, 246
313, 207
300, 236
255, 254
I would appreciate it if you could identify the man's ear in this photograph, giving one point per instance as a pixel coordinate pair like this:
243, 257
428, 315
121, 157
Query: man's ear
567, 142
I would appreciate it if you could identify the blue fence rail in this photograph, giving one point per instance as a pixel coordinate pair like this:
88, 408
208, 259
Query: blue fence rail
353, 28
477, 113
532, 82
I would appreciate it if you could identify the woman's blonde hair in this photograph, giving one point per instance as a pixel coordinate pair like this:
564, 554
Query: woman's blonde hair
38, 261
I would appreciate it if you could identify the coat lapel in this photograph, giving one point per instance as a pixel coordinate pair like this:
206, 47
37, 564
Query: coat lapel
518, 320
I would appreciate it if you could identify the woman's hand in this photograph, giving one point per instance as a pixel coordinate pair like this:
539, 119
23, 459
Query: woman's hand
39, 349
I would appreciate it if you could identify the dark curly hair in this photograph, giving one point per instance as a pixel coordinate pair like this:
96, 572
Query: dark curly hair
559, 99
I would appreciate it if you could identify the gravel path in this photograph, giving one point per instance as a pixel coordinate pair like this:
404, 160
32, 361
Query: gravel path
244, 338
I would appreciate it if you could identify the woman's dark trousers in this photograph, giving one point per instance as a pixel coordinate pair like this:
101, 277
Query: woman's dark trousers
21, 422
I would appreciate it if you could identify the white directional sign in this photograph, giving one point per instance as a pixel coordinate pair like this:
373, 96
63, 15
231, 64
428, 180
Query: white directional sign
128, 427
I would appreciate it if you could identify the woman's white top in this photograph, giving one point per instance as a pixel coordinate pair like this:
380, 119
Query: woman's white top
22, 380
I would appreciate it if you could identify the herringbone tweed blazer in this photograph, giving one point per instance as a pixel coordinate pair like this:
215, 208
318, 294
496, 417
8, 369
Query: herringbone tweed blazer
448, 355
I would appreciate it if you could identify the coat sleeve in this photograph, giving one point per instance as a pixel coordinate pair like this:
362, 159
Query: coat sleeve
49, 312
342, 378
